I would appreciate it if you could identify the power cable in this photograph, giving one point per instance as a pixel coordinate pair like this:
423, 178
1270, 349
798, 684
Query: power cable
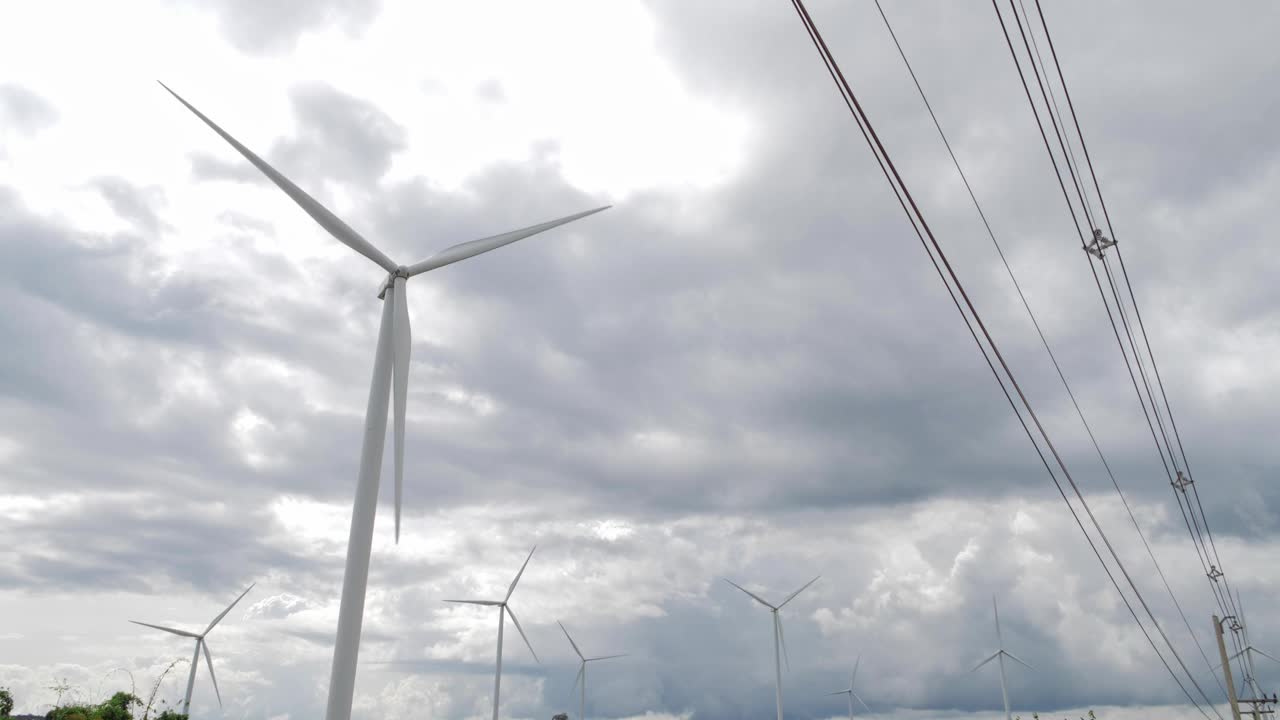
1039, 331
895, 180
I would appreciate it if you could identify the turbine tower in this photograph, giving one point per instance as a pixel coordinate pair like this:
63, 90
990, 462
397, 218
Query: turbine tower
582, 671
504, 609
391, 362
201, 646
852, 695
779, 637
999, 657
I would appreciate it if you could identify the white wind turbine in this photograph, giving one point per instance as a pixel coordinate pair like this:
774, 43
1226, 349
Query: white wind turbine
391, 360
779, 637
582, 671
852, 695
504, 609
201, 645
999, 657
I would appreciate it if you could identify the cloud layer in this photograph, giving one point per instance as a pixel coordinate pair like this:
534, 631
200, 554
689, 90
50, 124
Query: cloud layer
745, 369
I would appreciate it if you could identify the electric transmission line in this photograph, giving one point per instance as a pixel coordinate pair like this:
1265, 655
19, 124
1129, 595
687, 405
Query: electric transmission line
953, 284
1040, 332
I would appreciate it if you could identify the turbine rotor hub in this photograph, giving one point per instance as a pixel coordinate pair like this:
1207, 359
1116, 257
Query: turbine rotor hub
400, 272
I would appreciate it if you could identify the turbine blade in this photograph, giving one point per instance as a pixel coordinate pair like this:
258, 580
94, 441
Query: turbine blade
318, 212
782, 636
475, 602
522, 567
853, 678
1233, 657
1265, 655
522, 635
994, 655
208, 661
756, 597
402, 342
175, 631
224, 612
855, 697
802, 589
571, 642
581, 669
605, 657
839, 692
996, 609
1015, 658
471, 248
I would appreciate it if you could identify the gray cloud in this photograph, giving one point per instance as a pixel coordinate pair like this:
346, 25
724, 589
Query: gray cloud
770, 386
274, 28
340, 138
132, 203
24, 110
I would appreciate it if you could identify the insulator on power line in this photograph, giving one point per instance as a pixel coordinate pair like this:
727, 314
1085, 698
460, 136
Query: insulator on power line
1182, 482
1099, 243
1214, 573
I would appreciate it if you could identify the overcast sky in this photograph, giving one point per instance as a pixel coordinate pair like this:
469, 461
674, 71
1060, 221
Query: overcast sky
745, 369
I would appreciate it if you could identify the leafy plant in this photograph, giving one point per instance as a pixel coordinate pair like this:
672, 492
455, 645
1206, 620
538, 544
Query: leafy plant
6, 702
118, 707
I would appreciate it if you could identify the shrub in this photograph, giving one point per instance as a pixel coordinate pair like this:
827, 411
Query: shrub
119, 707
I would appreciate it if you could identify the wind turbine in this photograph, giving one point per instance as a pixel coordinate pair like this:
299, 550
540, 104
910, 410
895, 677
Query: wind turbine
201, 645
582, 671
504, 609
852, 695
779, 637
999, 657
391, 361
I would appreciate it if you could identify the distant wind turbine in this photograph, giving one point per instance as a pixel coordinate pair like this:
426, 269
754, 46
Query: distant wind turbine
999, 657
582, 671
201, 645
504, 609
779, 637
852, 695
391, 361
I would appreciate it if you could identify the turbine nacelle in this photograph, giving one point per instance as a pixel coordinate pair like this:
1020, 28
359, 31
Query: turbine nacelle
400, 272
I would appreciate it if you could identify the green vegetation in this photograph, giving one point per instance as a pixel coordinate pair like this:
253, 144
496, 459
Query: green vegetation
120, 706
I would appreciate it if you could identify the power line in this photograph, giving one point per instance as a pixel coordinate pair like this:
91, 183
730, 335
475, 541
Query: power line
1210, 560
1125, 272
922, 228
1039, 331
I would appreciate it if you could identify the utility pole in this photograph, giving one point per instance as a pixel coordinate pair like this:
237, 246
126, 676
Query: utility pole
1261, 706
1226, 668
